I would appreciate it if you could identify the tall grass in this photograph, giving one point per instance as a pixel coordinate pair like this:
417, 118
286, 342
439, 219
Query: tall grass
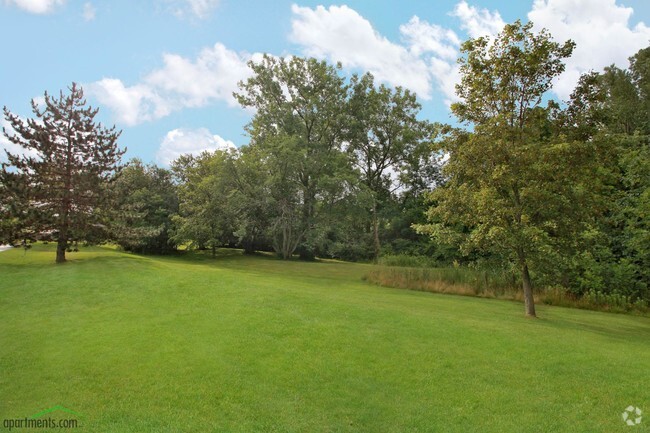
458, 280
408, 261
461, 280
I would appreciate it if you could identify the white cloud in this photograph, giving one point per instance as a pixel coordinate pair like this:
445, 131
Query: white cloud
478, 22
182, 141
180, 83
341, 34
212, 76
40, 101
7, 145
89, 11
600, 29
130, 105
201, 9
425, 58
423, 37
36, 6
439, 46
447, 75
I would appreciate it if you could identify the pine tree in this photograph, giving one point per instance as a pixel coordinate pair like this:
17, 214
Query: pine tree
58, 184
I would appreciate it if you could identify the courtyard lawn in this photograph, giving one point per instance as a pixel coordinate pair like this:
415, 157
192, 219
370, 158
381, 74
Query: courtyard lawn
254, 344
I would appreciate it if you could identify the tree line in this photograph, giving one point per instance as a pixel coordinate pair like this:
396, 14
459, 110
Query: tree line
556, 194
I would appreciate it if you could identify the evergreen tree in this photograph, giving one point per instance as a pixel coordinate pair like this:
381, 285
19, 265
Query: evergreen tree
62, 188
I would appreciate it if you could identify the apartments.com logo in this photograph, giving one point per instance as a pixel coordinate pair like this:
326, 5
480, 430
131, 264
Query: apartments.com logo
39, 421
632, 416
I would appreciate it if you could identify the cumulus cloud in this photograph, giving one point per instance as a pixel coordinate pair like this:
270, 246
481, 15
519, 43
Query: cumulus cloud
439, 48
182, 141
424, 58
422, 37
478, 22
36, 6
181, 82
212, 76
89, 11
340, 34
601, 30
130, 105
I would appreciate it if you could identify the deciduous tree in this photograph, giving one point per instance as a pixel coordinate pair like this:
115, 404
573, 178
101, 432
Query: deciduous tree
519, 191
384, 134
299, 109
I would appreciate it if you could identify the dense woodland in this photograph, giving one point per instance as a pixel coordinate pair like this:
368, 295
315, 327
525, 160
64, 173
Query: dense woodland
553, 193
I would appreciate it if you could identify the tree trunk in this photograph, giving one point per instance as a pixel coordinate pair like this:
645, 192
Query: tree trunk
249, 247
61, 246
529, 301
305, 252
375, 229
528, 291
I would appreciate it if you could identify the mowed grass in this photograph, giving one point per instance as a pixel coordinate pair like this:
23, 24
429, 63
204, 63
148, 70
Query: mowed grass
254, 344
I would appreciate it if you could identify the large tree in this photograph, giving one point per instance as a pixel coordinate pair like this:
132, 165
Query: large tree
518, 189
299, 113
384, 134
59, 182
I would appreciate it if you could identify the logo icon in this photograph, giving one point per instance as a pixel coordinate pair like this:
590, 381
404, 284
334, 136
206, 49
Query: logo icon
632, 416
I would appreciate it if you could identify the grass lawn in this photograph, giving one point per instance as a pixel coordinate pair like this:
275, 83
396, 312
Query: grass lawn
253, 344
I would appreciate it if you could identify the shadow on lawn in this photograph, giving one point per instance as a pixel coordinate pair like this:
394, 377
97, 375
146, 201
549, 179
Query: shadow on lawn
625, 327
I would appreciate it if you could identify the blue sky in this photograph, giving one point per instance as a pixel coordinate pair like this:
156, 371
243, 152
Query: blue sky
163, 70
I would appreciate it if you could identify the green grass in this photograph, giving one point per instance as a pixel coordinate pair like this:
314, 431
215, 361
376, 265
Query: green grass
253, 344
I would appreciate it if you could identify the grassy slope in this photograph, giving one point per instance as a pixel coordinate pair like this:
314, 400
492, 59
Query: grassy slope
251, 344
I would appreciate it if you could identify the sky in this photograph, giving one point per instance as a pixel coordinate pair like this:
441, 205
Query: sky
163, 71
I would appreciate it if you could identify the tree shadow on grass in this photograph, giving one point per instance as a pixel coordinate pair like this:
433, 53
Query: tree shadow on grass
620, 327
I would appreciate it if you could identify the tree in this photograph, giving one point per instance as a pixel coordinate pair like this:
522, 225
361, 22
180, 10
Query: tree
384, 133
611, 109
520, 191
251, 199
206, 217
63, 187
145, 200
299, 113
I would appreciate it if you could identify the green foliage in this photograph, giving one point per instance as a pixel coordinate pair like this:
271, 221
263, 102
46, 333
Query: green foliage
145, 201
251, 199
611, 110
298, 125
404, 260
58, 185
385, 138
207, 213
522, 195
328, 148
